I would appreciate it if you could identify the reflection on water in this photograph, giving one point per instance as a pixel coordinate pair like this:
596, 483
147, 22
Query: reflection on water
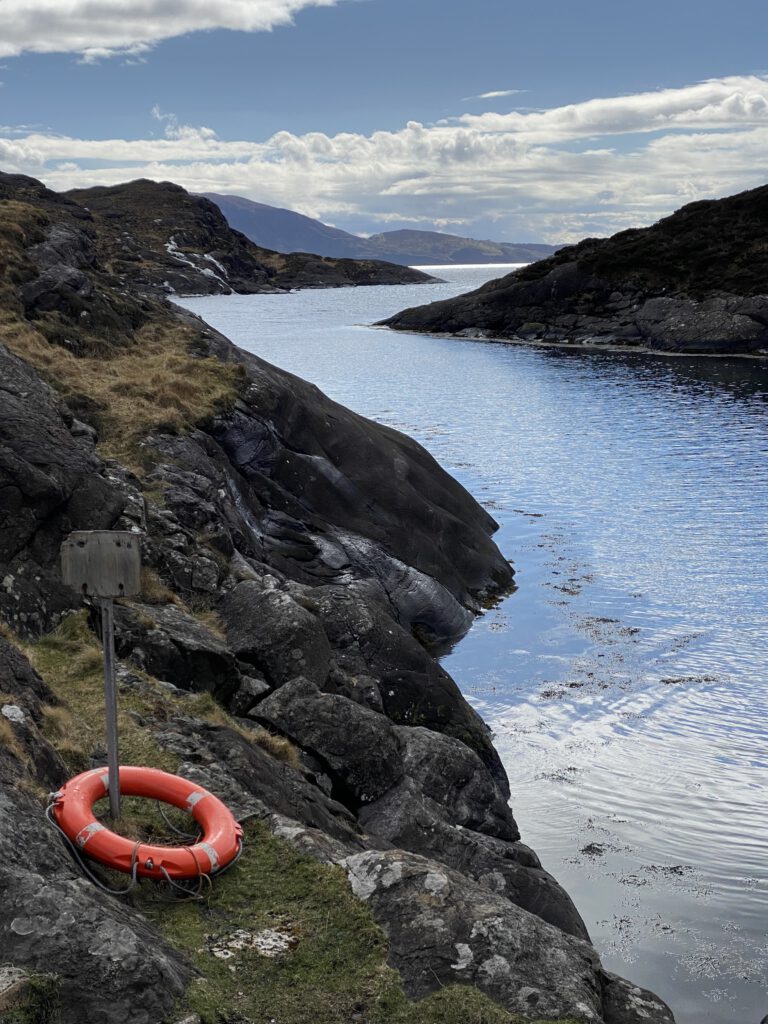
626, 679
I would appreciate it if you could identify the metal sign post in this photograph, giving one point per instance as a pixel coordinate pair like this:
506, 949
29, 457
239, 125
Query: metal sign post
105, 564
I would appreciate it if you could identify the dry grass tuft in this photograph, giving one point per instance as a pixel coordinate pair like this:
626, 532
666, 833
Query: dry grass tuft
277, 746
9, 741
127, 392
211, 620
58, 722
154, 591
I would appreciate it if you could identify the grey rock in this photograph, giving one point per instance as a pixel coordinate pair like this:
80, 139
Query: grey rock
246, 772
111, 964
414, 689
444, 929
172, 645
408, 819
14, 983
625, 1003
275, 634
250, 691
359, 748
452, 775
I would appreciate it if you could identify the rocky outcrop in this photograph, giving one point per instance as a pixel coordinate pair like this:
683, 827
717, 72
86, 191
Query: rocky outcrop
157, 236
444, 929
694, 282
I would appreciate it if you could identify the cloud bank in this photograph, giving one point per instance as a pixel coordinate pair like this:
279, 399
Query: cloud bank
556, 175
103, 28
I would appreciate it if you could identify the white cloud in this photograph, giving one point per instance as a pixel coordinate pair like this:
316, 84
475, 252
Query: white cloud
497, 94
588, 168
718, 103
98, 29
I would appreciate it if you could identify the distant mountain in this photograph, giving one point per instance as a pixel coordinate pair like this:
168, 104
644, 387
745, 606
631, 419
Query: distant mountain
434, 247
286, 231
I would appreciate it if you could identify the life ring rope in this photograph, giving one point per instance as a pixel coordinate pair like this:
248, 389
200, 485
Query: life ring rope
216, 849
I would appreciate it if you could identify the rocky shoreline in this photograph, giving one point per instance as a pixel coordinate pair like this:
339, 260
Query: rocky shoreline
692, 284
300, 564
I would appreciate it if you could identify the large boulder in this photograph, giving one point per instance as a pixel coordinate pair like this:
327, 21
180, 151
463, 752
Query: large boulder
444, 929
174, 646
448, 772
358, 748
111, 965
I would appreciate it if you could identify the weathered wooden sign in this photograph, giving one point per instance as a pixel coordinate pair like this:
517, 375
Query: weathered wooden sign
102, 563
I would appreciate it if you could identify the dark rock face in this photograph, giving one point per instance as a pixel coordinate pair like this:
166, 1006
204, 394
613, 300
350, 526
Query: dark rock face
370, 482
268, 629
694, 282
50, 484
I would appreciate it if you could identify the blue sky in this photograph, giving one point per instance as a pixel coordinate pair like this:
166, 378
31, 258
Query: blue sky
313, 113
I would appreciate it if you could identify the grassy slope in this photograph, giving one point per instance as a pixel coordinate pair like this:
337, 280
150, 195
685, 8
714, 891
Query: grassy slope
126, 381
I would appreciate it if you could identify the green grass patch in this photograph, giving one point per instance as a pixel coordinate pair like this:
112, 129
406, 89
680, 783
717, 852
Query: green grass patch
70, 661
40, 1002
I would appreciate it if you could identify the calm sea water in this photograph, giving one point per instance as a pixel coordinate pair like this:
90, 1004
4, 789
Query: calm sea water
626, 678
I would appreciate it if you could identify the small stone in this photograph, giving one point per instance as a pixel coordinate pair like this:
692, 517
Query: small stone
13, 712
13, 984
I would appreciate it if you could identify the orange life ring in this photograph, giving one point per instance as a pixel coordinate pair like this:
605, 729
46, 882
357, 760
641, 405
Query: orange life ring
220, 843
